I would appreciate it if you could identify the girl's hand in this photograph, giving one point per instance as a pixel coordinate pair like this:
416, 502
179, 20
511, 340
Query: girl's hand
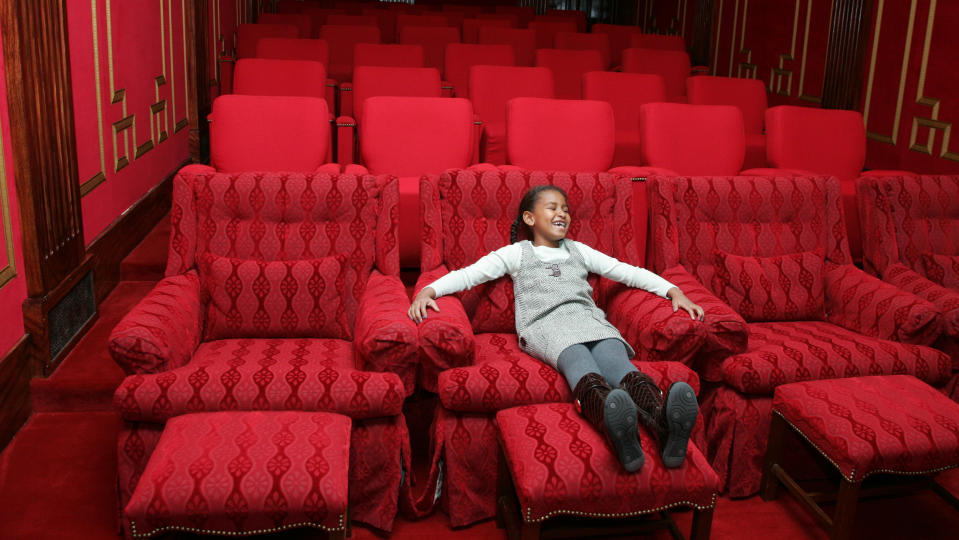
681, 301
423, 300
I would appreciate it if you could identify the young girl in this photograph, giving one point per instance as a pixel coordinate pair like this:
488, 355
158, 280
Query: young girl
558, 323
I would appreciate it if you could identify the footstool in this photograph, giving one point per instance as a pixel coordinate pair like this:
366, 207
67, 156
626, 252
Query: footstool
892, 424
240, 473
555, 464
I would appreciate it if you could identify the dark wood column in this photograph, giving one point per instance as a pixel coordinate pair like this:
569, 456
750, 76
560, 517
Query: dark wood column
701, 44
846, 54
199, 42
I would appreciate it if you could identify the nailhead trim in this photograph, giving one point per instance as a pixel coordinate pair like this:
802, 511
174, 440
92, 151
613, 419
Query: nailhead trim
528, 518
133, 529
852, 477
346, 125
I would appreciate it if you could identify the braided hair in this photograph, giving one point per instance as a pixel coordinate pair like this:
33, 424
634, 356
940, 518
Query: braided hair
526, 205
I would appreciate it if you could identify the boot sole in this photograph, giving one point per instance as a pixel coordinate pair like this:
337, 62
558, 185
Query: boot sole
681, 412
619, 413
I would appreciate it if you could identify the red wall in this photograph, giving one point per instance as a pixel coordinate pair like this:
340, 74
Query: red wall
909, 98
13, 286
129, 96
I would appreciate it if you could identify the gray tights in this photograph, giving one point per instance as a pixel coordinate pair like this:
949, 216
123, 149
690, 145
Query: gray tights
608, 357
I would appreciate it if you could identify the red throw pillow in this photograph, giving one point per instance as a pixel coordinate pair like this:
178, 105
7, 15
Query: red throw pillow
267, 299
780, 288
942, 269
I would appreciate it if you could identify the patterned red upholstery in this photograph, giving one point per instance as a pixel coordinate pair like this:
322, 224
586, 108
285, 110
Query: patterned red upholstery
242, 472
561, 465
461, 57
580, 41
673, 65
302, 22
267, 218
247, 36
692, 139
560, 135
765, 217
626, 92
522, 40
942, 269
867, 425
471, 345
491, 88
568, 67
785, 287
749, 95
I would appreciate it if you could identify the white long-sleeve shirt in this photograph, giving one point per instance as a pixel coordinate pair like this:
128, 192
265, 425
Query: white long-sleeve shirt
507, 260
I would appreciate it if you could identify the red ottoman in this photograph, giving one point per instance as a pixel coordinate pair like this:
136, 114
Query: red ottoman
863, 425
245, 473
555, 463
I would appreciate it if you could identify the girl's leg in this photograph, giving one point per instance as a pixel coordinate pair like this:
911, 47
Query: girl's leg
610, 411
612, 359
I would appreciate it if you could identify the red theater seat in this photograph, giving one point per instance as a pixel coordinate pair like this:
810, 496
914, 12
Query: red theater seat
377, 54
460, 57
546, 31
409, 137
672, 65
386, 20
342, 39
434, 40
693, 140
289, 6
578, 17
560, 135
269, 77
318, 16
568, 67
403, 20
579, 41
303, 22
491, 88
619, 38
657, 41
524, 14
471, 27
523, 41
247, 36
352, 20
749, 95
315, 50
626, 92
267, 133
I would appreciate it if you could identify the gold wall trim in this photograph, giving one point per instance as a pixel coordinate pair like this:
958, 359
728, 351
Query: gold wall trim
893, 137
98, 178
780, 73
8, 272
805, 42
119, 126
933, 122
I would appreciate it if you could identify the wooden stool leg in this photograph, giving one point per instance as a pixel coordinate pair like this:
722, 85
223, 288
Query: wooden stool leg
702, 524
845, 515
769, 488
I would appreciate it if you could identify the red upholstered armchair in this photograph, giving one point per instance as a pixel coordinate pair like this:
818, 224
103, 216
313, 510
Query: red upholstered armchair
774, 249
281, 293
469, 351
913, 239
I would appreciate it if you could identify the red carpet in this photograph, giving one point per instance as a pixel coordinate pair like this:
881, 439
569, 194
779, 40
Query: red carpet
58, 475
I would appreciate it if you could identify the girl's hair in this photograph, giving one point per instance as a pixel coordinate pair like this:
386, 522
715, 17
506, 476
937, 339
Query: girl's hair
526, 205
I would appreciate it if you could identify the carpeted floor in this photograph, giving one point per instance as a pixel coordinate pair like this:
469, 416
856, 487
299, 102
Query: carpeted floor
57, 477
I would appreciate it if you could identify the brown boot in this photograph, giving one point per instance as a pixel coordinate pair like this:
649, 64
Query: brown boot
670, 421
612, 413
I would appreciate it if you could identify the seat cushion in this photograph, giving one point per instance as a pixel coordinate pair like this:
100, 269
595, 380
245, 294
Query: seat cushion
942, 269
787, 352
561, 465
866, 425
245, 472
780, 288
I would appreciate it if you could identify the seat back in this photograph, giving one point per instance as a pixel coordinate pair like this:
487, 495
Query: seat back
589, 42
692, 139
560, 135
434, 40
342, 39
823, 141
386, 20
269, 133
460, 57
372, 81
303, 22
318, 16
247, 36
577, 16
469, 214
568, 67
405, 19
315, 50
657, 41
626, 93
289, 6
619, 38
352, 20
413, 136
749, 95
523, 41
378, 54
546, 31
269, 77
491, 88
471, 27
673, 66
524, 14
745, 215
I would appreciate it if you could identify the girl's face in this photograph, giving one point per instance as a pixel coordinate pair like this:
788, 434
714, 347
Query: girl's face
549, 219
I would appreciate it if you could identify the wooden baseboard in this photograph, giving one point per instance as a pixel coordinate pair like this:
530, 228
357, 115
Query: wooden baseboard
111, 246
16, 370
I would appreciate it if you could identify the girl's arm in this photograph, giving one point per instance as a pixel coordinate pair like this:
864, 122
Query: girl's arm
497, 264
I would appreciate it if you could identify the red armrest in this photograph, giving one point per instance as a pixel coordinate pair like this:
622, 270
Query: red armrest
226, 74
446, 337
163, 329
863, 303
330, 94
649, 323
385, 339
946, 300
346, 99
345, 140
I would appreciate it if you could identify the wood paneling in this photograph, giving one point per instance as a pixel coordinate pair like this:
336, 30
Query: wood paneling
845, 57
16, 370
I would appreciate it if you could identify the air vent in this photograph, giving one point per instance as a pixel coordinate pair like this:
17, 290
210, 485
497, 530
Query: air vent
71, 314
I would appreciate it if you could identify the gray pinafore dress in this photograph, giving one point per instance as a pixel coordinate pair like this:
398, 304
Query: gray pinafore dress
555, 308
